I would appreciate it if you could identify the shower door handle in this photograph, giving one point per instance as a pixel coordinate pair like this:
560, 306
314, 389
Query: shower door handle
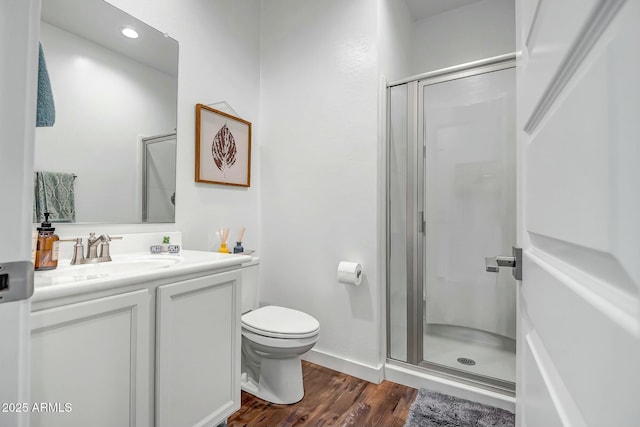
493, 264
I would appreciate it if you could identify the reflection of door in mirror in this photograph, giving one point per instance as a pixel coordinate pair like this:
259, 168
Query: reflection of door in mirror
158, 178
109, 92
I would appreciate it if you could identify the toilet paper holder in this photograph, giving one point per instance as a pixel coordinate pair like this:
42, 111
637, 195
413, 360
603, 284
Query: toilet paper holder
349, 273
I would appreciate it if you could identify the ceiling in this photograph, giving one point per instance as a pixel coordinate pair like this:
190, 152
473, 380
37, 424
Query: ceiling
100, 22
421, 9
97, 20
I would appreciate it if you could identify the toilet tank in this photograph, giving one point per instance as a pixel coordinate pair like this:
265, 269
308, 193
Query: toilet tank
249, 286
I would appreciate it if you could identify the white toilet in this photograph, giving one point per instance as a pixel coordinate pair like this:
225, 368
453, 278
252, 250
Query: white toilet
273, 339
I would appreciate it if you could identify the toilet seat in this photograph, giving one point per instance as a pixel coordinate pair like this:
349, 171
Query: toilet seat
280, 322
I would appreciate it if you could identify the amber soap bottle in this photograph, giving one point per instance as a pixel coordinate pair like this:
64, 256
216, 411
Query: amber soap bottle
47, 246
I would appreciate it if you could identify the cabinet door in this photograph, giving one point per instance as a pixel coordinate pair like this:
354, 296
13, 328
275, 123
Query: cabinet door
90, 363
198, 351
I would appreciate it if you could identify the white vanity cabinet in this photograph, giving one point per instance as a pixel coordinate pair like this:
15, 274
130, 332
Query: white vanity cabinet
90, 363
198, 351
163, 353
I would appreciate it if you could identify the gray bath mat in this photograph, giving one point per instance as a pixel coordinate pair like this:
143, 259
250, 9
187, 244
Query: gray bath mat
431, 409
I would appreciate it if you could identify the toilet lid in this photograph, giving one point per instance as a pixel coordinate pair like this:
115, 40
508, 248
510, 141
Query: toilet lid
280, 322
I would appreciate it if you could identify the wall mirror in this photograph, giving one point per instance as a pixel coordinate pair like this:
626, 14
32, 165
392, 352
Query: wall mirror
116, 108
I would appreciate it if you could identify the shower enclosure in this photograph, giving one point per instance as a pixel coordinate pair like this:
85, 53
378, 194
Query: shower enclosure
159, 178
451, 203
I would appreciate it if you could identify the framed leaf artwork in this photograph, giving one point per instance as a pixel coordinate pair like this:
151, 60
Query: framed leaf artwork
223, 148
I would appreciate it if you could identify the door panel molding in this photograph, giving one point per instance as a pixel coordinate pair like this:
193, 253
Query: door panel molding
532, 29
603, 295
583, 340
567, 411
597, 24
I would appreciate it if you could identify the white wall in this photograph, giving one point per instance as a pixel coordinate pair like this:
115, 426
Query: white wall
319, 141
97, 91
219, 60
394, 39
480, 30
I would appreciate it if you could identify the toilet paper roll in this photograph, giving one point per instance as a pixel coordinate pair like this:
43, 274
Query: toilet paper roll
349, 273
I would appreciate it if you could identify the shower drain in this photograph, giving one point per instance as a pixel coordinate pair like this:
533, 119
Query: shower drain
466, 361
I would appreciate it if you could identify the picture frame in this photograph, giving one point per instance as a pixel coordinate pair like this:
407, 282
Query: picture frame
223, 148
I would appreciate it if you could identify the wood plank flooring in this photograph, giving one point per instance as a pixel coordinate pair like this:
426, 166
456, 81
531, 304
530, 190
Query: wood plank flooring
331, 399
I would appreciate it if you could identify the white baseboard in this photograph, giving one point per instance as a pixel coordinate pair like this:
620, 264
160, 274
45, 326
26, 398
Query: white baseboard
373, 374
415, 379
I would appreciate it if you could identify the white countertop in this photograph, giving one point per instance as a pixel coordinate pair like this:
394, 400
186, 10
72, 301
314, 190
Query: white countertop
125, 270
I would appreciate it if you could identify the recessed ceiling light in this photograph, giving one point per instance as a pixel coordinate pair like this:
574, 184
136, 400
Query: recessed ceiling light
130, 32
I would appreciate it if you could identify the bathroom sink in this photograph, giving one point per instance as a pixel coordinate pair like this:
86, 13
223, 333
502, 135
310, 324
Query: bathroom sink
117, 267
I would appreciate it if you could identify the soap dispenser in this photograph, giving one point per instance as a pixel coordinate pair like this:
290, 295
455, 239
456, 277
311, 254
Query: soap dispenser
47, 246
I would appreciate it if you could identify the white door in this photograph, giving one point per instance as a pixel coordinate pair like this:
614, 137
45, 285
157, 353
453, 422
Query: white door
578, 124
19, 25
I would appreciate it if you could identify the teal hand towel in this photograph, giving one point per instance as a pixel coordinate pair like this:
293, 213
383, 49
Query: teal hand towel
54, 193
46, 112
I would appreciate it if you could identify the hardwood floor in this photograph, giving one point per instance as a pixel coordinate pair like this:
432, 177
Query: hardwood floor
331, 399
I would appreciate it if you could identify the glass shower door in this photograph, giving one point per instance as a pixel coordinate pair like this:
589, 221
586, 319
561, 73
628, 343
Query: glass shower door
469, 201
